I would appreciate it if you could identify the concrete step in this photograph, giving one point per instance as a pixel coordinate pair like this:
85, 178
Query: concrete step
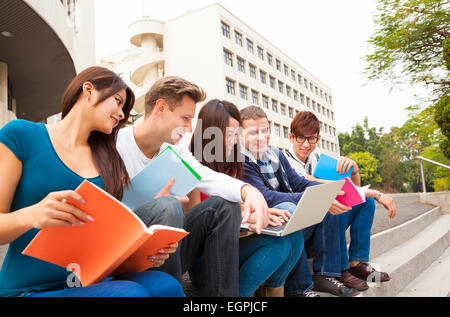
386, 240
411, 258
433, 282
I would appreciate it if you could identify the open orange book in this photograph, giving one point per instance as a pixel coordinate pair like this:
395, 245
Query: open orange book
117, 242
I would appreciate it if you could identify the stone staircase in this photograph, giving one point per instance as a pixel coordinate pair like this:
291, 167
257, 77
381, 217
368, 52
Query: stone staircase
413, 248
416, 255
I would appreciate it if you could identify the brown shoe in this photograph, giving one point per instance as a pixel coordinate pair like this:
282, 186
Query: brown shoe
365, 272
331, 285
352, 281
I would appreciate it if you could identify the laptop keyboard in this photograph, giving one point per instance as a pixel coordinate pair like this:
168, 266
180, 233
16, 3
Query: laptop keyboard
276, 228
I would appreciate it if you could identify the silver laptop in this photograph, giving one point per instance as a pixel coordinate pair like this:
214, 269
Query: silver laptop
310, 210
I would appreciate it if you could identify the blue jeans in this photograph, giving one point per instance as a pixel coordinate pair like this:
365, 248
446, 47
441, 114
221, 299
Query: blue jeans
324, 239
268, 259
143, 284
360, 220
213, 227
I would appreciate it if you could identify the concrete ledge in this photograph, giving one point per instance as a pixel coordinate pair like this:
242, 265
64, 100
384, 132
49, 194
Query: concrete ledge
441, 199
407, 261
386, 240
433, 282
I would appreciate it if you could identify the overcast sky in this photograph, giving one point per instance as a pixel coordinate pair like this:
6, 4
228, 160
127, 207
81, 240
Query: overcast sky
327, 37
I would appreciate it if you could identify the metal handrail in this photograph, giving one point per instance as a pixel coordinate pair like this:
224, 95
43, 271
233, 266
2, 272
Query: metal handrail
421, 169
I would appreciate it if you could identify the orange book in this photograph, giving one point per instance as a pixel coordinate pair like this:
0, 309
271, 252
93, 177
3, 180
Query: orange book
116, 242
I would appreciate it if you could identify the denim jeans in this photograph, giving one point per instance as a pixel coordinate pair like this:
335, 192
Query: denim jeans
213, 227
142, 284
214, 238
167, 211
324, 240
360, 220
268, 259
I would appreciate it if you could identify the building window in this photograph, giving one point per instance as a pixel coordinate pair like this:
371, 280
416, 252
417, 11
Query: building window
291, 112
323, 143
230, 86
265, 102
308, 102
311, 86
332, 115
240, 64
314, 105
255, 97
243, 92
293, 74
316, 90
288, 91
285, 132
250, 46
295, 95
262, 75
283, 109
281, 86
269, 59
238, 38
276, 129
306, 83
302, 99
299, 78
225, 30
318, 109
286, 70
252, 70
274, 105
228, 57
321, 93
260, 52
278, 65
272, 82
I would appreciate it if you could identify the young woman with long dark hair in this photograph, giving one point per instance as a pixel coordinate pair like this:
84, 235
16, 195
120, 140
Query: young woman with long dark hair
264, 261
41, 165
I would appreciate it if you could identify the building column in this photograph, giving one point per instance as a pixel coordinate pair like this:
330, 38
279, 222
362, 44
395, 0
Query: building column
3, 93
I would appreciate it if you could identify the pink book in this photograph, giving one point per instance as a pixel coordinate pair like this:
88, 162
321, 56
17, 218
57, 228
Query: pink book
354, 195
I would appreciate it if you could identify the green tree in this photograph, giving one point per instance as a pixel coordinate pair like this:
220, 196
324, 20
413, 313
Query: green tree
368, 167
361, 139
409, 43
442, 118
412, 43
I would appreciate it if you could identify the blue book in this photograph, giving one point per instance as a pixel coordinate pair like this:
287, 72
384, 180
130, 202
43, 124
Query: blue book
149, 182
326, 169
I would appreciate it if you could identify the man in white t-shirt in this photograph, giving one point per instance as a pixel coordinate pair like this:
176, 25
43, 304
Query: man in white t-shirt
303, 157
213, 224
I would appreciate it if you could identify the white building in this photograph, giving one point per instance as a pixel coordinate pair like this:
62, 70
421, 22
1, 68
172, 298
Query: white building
43, 45
216, 50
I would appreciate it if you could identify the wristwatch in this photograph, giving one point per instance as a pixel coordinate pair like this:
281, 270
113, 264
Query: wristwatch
378, 196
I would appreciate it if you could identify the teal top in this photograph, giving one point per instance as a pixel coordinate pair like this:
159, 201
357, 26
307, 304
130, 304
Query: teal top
43, 172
